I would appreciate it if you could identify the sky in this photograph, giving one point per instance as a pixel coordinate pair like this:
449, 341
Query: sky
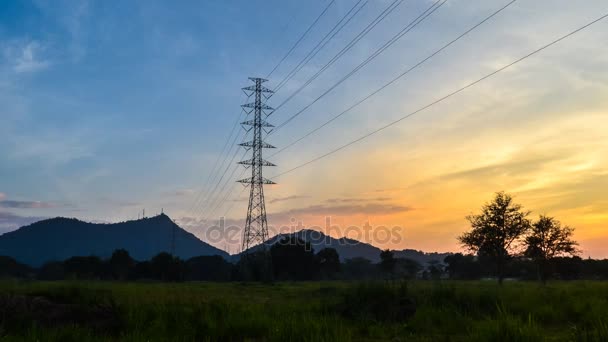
111, 107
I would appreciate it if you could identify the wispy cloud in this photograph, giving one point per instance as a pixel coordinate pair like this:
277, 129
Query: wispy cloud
29, 59
357, 200
25, 204
287, 198
180, 192
10, 221
24, 56
341, 210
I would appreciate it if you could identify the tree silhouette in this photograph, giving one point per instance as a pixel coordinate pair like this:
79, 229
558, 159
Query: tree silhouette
166, 267
547, 240
387, 262
293, 258
435, 269
496, 230
121, 264
328, 262
89, 267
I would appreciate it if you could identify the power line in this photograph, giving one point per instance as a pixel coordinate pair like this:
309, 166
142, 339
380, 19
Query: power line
215, 204
395, 79
388, 10
435, 6
441, 99
211, 194
196, 202
370, 26
300, 39
228, 193
322, 43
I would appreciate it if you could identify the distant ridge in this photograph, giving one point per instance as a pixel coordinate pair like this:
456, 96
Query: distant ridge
61, 238
350, 248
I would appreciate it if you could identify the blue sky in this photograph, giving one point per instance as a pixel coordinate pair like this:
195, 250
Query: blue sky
110, 107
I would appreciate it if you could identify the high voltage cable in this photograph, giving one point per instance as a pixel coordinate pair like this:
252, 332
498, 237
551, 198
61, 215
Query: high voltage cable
215, 204
445, 96
234, 200
387, 44
388, 10
229, 193
211, 194
369, 27
395, 79
301, 37
429, 11
322, 43
196, 202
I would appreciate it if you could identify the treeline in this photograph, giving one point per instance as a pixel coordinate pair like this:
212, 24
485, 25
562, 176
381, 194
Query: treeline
289, 259
120, 266
294, 260
471, 267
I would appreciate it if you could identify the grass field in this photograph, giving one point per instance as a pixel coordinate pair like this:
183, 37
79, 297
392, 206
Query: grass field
315, 311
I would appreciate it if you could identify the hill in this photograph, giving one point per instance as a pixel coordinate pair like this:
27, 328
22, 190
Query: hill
61, 238
350, 248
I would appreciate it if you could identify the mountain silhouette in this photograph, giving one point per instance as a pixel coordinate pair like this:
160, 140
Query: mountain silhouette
61, 238
349, 248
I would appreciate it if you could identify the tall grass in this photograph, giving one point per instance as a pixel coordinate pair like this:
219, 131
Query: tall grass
325, 311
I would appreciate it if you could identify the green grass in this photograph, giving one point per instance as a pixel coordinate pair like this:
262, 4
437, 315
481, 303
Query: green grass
325, 311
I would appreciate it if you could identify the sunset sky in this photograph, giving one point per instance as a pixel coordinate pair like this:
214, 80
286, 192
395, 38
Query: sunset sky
107, 108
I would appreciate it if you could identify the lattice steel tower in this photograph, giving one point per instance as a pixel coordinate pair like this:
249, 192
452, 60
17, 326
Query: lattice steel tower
256, 226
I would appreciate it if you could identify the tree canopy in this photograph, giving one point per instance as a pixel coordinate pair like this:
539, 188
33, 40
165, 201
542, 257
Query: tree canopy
496, 230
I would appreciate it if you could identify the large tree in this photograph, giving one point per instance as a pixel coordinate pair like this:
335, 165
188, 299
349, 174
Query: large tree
387, 262
495, 232
547, 240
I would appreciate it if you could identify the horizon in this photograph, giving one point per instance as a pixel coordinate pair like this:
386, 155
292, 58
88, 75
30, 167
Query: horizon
106, 112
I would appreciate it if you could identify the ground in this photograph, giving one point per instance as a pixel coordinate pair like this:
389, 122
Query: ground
307, 311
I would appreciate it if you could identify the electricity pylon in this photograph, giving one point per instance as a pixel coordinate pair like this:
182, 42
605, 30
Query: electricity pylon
256, 226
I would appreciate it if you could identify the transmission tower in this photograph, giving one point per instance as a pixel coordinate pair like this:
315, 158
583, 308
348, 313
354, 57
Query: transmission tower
256, 226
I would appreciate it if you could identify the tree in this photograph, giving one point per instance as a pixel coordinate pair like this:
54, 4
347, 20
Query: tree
208, 268
53, 270
293, 258
387, 261
121, 264
90, 267
9, 267
495, 232
166, 267
407, 268
359, 268
547, 240
328, 262
435, 269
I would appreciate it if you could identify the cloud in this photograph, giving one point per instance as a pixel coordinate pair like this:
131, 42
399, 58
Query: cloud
181, 192
12, 204
29, 59
10, 221
288, 198
357, 200
342, 210
519, 165
25, 204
